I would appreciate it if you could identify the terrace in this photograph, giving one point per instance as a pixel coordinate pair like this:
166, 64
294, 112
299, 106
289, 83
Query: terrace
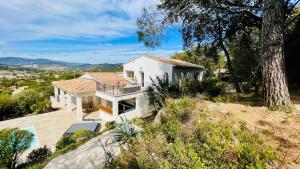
120, 89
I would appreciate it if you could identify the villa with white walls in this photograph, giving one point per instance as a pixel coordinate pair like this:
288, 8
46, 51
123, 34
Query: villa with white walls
112, 96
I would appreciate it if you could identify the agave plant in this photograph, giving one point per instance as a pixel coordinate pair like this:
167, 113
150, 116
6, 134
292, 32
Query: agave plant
126, 132
161, 89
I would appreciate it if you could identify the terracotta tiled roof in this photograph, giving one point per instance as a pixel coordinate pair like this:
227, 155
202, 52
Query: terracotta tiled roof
174, 62
108, 79
85, 85
77, 86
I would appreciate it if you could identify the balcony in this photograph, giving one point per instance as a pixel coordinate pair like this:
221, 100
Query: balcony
118, 90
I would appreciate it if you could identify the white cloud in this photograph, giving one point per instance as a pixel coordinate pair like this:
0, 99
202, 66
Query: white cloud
85, 29
98, 54
33, 20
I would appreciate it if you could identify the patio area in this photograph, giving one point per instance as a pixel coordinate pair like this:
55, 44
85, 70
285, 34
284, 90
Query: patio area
49, 127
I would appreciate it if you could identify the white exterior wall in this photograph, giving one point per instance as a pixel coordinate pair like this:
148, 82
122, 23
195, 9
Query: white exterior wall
150, 67
141, 106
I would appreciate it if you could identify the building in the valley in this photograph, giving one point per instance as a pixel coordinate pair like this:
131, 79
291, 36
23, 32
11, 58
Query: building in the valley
113, 95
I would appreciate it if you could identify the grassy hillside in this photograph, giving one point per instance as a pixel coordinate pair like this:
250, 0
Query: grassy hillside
196, 133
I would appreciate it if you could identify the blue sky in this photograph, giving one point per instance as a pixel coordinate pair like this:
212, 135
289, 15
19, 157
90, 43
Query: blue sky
83, 31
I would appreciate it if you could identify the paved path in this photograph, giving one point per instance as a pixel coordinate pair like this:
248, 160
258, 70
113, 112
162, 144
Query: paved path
88, 156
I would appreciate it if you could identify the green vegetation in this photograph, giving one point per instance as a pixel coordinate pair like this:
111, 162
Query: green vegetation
35, 98
161, 89
110, 125
208, 144
65, 144
81, 134
241, 33
38, 155
126, 132
27, 102
13, 142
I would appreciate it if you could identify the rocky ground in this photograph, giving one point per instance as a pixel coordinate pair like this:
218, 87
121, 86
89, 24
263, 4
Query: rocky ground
279, 129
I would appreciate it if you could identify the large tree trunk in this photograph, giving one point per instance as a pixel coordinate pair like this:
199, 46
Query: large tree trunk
232, 73
228, 60
275, 90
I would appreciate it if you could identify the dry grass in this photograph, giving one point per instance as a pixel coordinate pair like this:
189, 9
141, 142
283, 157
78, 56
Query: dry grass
278, 129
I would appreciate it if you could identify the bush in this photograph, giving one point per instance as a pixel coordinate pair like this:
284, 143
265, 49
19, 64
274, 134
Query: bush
171, 126
214, 87
191, 87
126, 132
64, 142
33, 101
13, 142
213, 144
181, 108
81, 134
27, 102
110, 125
39, 155
162, 89
8, 107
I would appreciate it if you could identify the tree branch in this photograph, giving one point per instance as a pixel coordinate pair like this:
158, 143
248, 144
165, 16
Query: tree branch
291, 21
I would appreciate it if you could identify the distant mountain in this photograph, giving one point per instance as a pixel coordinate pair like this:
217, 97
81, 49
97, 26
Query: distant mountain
25, 61
44, 63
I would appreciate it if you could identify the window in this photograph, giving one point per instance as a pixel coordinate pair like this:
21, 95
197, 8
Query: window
130, 74
196, 75
127, 105
108, 104
166, 75
99, 102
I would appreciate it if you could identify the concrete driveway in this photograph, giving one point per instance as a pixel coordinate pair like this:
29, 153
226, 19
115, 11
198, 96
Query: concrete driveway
49, 127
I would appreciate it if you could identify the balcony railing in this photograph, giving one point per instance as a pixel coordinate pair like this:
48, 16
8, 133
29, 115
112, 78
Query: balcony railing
118, 90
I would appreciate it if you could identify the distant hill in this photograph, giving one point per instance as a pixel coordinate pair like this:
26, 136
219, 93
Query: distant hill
47, 63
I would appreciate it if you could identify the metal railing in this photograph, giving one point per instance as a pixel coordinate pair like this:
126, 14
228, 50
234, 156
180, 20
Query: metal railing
117, 90
124, 108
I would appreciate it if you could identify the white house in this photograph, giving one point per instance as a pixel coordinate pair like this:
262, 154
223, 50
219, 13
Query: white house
113, 95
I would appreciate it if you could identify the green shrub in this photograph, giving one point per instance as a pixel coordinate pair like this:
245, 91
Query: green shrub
81, 134
226, 147
143, 154
35, 166
126, 132
190, 87
38, 155
139, 122
247, 87
13, 143
8, 107
181, 108
213, 144
162, 89
171, 126
110, 125
33, 101
64, 142
214, 87
226, 98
